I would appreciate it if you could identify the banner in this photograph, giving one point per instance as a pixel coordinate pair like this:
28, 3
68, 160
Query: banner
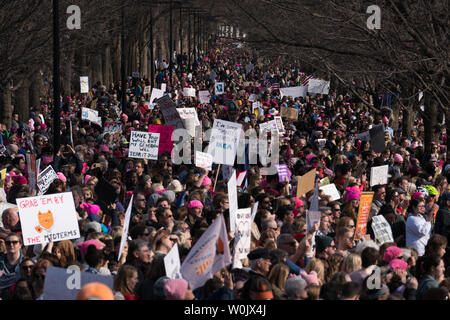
144, 145
232, 200
365, 203
172, 263
111, 127
48, 217
64, 284
294, 92
318, 86
204, 96
379, 175
289, 113
203, 160
126, 225
331, 190
219, 88
283, 173
305, 183
280, 126
243, 232
224, 141
209, 255
381, 229
84, 84
45, 179
156, 94
170, 113
91, 115
165, 137
189, 92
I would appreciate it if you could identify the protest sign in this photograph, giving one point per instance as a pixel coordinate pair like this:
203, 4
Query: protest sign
112, 128
126, 226
91, 115
45, 179
219, 88
322, 143
324, 182
280, 126
224, 141
241, 178
190, 119
204, 96
144, 145
379, 175
377, 138
165, 137
172, 263
156, 94
305, 183
232, 200
203, 160
254, 97
243, 232
147, 90
163, 87
318, 86
331, 190
254, 210
293, 92
313, 214
283, 173
365, 203
64, 284
209, 254
189, 92
289, 113
170, 113
48, 217
381, 229
135, 75
84, 84
270, 126
364, 136
3, 178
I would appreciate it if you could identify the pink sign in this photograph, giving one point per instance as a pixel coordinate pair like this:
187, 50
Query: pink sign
165, 137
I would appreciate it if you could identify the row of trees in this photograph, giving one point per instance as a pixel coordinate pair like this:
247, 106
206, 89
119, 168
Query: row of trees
26, 46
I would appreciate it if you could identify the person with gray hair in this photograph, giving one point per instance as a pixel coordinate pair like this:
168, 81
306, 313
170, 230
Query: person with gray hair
364, 244
295, 288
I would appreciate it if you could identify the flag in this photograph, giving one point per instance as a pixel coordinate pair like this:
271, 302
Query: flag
210, 254
313, 214
305, 79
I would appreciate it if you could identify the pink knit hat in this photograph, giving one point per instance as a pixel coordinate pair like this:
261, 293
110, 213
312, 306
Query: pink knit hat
396, 264
391, 253
90, 208
83, 246
86, 178
20, 180
206, 181
195, 204
104, 148
175, 289
417, 195
398, 158
353, 193
61, 176
310, 278
309, 157
298, 202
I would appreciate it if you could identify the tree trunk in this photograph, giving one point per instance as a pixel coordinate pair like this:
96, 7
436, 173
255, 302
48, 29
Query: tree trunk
408, 120
430, 121
67, 75
22, 101
107, 69
116, 60
6, 107
35, 90
97, 71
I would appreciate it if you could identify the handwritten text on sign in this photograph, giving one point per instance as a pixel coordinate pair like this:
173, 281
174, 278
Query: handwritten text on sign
144, 145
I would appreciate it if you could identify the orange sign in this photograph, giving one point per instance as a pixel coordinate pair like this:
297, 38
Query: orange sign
363, 213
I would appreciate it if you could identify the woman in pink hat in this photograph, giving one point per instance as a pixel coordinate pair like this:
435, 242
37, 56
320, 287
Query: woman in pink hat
353, 194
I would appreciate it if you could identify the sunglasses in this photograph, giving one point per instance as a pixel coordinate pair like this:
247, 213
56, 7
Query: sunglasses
11, 242
27, 267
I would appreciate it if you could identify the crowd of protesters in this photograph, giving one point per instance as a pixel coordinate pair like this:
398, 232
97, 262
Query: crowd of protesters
176, 203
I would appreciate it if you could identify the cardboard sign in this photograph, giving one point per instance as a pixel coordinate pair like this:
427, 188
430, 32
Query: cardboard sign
289, 113
84, 84
172, 263
170, 113
45, 179
165, 137
381, 229
280, 126
379, 175
243, 232
48, 217
283, 173
377, 138
126, 226
232, 199
331, 190
204, 96
294, 92
219, 88
91, 115
365, 203
144, 145
189, 92
318, 86
64, 284
224, 141
156, 94
203, 160
112, 128
147, 90
305, 183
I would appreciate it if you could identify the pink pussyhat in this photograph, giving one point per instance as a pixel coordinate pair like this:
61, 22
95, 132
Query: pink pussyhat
206, 181
353, 193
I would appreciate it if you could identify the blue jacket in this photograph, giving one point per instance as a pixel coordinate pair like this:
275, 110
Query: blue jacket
8, 277
427, 282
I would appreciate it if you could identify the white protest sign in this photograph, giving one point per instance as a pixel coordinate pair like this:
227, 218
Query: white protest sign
219, 88
268, 126
204, 96
254, 97
241, 178
280, 126
126, 225
45, 178
189, 92
322, 143
163, 87
147, 90
203, 160
255, 209
156, 94
364, 136
84, 84
318, 86
170, 113
243, 230
232, 200
144, 145
64, 284
172, 263
294, 92
190, 119
381, 229
224, 141
135, 74
331, 190
48, 217
112, 128
91, 115
379, 175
